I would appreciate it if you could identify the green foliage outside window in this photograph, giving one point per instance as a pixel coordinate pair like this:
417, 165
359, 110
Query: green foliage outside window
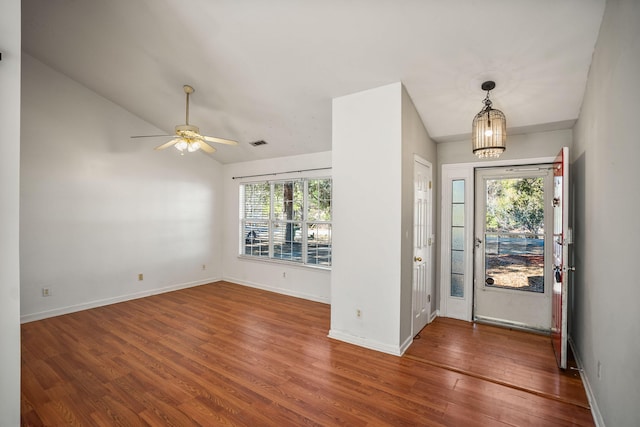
515, 205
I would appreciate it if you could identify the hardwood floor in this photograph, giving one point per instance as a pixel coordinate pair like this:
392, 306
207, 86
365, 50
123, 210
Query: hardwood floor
224, 354
514, 358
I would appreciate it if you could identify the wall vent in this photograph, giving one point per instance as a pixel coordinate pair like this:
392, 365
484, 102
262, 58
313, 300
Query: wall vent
257, 143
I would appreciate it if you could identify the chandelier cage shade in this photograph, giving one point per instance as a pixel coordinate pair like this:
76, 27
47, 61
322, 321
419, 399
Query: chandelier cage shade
489, 129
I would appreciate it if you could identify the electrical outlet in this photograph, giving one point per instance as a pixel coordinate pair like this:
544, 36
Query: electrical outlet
140, 277
46, 292
204, 266
599, 373
359, 314
284, 274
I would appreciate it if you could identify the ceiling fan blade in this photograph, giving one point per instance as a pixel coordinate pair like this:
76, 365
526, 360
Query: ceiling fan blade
148, 136
220, 140
206, 147
167, 144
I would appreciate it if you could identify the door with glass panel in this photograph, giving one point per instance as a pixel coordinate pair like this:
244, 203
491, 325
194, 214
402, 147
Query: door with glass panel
511, 278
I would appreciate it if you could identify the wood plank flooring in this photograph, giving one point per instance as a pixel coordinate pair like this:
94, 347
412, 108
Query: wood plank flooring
514, 358
223, 354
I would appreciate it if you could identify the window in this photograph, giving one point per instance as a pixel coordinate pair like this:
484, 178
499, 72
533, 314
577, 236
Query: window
287, 220
514, 233
457, 238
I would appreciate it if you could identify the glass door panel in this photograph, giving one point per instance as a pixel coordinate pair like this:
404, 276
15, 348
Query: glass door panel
510, 275
514, 234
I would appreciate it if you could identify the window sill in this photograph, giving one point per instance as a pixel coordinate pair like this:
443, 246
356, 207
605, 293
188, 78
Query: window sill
284, 262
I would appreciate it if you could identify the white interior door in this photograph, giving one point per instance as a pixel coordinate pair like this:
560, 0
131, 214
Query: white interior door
511, 277
422, 240
561, 241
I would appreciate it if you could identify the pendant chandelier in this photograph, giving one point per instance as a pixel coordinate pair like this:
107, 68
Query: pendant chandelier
489, 133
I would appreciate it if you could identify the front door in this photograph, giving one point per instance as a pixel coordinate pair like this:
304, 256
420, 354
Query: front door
561, 241
422, 240
510, 275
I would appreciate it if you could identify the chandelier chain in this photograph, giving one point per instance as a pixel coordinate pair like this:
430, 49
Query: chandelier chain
487, 107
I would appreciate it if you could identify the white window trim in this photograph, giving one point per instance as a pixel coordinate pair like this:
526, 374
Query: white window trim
456, 307
304, 221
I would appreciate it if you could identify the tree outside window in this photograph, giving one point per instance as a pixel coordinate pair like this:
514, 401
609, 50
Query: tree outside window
287, 220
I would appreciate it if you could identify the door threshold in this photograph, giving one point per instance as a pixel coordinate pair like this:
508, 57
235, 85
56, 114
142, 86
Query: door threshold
510, 325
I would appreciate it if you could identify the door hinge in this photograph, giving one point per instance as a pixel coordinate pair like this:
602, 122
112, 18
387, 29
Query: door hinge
429, 185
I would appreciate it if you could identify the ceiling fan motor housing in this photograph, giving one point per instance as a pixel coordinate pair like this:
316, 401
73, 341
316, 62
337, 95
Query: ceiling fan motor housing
186, 129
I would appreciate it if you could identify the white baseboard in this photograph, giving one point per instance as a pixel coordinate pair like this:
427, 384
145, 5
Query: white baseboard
405, 345
278, 290
434, 315
366, 343
107, 301
595, 411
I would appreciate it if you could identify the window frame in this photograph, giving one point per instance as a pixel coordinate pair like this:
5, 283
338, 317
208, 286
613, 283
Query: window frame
274, 221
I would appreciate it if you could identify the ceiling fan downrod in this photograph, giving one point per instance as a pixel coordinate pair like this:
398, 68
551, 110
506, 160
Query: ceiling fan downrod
188, 90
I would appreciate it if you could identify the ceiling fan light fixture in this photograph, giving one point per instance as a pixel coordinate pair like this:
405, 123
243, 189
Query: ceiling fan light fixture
182, 145
489, 128
194, 146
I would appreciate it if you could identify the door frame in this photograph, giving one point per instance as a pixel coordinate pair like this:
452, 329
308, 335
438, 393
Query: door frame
462, 308
562, 238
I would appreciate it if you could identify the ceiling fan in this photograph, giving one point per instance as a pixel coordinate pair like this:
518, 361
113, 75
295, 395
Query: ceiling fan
188, 137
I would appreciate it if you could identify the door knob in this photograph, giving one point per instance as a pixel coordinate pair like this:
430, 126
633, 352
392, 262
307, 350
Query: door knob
417, 259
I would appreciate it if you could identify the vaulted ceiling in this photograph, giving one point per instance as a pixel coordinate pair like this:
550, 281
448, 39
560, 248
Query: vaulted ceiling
268, 69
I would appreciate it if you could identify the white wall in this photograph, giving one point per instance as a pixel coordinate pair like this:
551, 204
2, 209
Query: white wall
526, 146
300, 281
605, 177
9, 213
415, 140
367, 220
367, 201
98, 208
